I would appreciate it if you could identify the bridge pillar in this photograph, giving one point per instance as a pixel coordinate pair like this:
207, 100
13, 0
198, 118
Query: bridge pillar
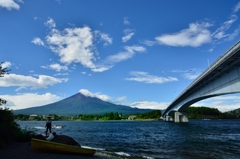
168, 118
180, 117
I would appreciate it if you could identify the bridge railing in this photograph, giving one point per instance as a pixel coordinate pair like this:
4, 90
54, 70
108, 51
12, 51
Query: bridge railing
219, 61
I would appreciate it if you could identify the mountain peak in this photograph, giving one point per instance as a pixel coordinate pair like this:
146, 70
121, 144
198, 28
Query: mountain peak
80, 104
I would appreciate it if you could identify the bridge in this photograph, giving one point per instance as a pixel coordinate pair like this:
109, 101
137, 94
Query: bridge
222, 77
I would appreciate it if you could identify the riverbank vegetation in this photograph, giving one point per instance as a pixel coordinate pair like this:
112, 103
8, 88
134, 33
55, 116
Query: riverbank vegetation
193, 113
10, 131
210, 113
155, 114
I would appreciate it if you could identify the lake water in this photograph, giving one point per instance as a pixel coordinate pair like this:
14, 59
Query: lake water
201, 139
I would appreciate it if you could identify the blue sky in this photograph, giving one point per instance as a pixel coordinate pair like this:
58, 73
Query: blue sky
140, 54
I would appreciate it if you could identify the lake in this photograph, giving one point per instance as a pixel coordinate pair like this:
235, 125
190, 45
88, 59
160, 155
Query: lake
201, 139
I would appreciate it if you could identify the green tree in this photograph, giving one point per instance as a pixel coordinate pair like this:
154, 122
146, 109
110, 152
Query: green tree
21, 117
155, 114
2, 72
10, 130
204, 112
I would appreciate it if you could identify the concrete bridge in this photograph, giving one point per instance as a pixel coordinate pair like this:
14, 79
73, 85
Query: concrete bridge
222, 77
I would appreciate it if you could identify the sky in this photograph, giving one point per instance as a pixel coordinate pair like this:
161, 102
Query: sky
140, 54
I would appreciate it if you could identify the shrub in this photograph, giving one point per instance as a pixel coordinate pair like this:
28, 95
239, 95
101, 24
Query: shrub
10, 131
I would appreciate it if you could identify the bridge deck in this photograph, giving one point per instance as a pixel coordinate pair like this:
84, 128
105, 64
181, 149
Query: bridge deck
230, 59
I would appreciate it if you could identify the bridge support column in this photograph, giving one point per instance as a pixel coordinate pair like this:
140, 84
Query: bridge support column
168, 118
180, 117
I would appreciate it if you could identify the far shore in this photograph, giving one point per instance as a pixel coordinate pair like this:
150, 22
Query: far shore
96, 120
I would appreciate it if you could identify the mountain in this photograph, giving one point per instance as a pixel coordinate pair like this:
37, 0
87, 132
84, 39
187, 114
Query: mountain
234, 111
80, 104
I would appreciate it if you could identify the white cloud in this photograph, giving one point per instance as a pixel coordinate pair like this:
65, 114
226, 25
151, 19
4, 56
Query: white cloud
194, 36
37, 41
96, 95
135, 48
119, 99
128, 35
57, 67
129, 53
50, 23
24, 82
188, 74
221, 31
30, 100
146, 78
222, 103
149, 105
120, 57
149, 42
237, 7
234, 34
101, 68
61, 74
177, 71
59, 1
9, 4
74, 45
6, 64
104, 37
198, 34
191, 76
125, 21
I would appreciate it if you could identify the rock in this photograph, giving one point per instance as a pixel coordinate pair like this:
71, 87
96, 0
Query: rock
63, 139
40, 137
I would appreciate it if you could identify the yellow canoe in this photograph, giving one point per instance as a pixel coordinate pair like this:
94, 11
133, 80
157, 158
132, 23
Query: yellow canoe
48, 146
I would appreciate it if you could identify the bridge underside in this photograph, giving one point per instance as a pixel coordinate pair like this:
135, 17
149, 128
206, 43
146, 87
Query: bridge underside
225, 79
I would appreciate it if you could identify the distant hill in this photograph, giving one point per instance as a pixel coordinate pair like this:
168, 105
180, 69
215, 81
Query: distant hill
80, 104
234, 111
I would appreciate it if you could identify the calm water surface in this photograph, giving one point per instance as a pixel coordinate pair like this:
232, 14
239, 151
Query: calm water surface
154, 139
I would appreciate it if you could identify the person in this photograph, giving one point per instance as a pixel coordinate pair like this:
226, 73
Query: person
48, 125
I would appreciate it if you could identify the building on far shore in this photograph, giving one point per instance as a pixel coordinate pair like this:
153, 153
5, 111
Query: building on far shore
131, 117
32, 116
46, 116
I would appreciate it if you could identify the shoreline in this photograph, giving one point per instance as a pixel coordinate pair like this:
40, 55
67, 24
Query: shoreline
23, 150
94, 120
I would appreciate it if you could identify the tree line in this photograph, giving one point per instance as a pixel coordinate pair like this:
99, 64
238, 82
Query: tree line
210, 113
155, 114
193, 113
